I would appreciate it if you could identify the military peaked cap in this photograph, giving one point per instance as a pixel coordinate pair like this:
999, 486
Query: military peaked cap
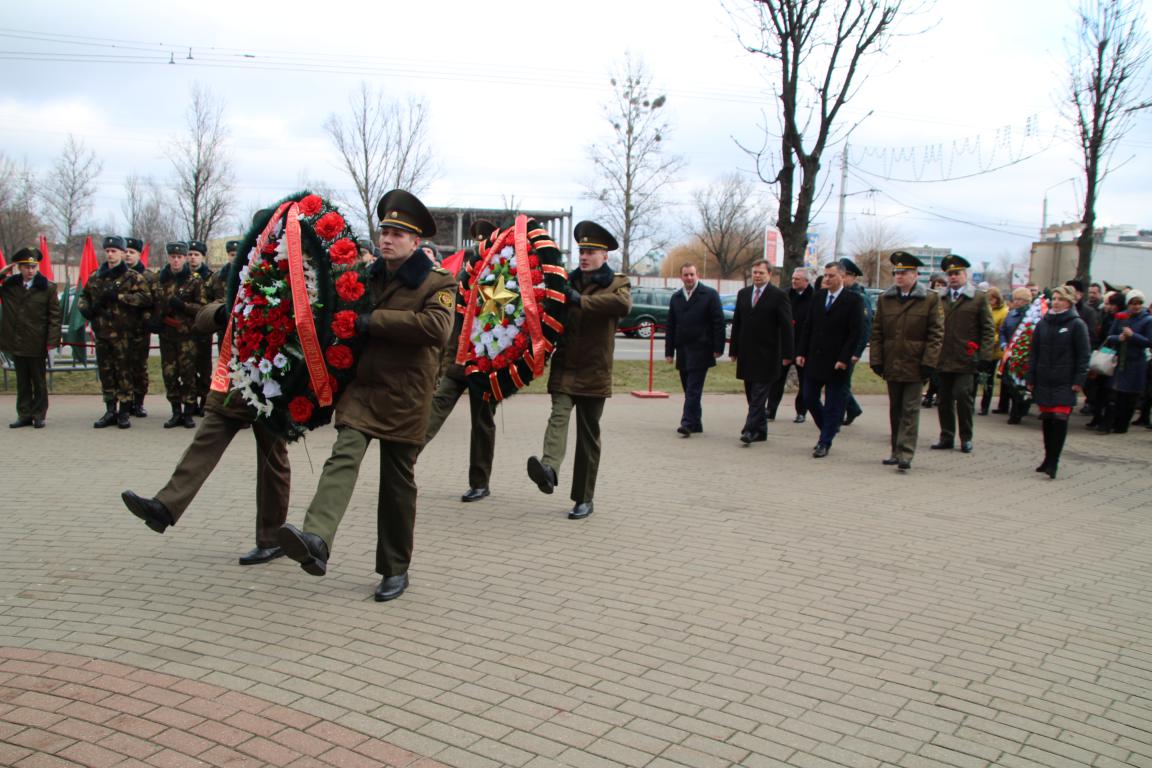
115, 241
850, 267
905, 260
27, 256
589, 234
403, 210
481, 229
954, 263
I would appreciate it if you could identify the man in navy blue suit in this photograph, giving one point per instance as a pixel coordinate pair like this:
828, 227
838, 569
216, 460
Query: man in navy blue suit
825, 350
694, 338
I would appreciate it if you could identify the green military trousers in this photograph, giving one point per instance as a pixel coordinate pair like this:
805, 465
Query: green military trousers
957, 403
587, 460
904, 417
482, 444
396, 497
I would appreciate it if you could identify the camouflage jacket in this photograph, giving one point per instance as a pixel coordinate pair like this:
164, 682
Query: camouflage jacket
113, 300
148, 318
179, 296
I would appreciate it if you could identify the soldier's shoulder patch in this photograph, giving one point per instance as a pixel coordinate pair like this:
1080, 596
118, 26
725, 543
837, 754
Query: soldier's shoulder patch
446, 298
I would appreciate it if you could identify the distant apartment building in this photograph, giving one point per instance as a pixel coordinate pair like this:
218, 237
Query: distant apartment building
1121, 256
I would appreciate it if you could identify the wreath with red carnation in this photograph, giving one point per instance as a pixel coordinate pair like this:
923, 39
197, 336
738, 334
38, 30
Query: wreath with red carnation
513, 301
295, 291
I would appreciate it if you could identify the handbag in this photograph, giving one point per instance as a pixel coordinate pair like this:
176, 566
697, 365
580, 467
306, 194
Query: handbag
1103, 361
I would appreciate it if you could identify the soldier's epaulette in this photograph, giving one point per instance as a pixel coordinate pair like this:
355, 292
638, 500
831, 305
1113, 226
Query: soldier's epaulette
442, 271
619, 274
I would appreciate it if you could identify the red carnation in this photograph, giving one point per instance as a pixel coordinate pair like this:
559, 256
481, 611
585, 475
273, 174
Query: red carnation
339, 357
484, 364
344, 324
329, 225
343, 251
533, 260
269, 247
310, 205
348, 287
1121, 315
505, 320
277, 338
300, 409
282, 264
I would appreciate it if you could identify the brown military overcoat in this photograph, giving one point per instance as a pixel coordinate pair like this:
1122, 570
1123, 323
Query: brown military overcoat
906, 334
30, 324
969, 331
582, 363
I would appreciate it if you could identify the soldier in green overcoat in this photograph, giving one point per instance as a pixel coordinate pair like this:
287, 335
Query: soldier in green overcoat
29, 327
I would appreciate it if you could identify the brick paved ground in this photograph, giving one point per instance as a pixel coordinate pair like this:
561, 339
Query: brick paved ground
723, 606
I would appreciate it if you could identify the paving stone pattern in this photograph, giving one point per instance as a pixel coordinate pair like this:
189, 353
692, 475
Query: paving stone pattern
723, 606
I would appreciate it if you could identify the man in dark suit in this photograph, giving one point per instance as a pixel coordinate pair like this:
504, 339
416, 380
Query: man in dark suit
799, 297
826, 350
761, 344
694, 338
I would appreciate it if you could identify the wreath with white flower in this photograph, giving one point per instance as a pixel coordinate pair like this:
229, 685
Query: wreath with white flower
1020, 348
513, 306
295, 292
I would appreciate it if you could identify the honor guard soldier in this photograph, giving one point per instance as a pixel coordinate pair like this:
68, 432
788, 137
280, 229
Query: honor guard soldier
852, 273
581, 373
217, 287
969, 346
389, 400
141, 337
179, 296
29, 327
453, 383
907, 333
197, 253
111, 301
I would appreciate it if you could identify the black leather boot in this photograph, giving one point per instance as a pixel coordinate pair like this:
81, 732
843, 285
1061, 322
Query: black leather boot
122, 420
138, 408
109, 417
177, 418
189, 409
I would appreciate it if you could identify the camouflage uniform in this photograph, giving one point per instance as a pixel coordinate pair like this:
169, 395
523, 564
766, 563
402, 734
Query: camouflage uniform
140, 339
179, 296
204, 341
111, 302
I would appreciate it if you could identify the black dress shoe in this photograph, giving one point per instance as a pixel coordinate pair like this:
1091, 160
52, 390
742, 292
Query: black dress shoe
800, 419
966, 446
983, 412
391, 587
942, 446
260, 555
541, 474
891, 461
684, 430
475, 494
38, 424
999, 411
580, 511
850, 417
759, 438
820, 451
308, 549
904, 466
22, 422
154, 514
746, 437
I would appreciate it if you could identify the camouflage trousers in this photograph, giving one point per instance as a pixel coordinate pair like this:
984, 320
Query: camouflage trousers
114, 359
203, 364
178, 364
140, 350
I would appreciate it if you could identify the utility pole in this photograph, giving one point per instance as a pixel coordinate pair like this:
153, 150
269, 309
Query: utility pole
836, 251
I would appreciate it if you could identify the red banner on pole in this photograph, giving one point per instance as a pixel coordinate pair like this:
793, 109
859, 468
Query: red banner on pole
88, 262
46, 262
144, 256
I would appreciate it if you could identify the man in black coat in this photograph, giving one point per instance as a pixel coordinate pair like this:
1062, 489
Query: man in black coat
799, 297
694, 338
761, 344
825, 352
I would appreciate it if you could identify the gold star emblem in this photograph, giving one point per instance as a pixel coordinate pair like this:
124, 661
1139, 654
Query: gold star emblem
495, 297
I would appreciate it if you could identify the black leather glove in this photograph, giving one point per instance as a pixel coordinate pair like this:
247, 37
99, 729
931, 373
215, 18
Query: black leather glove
111, 296
574, 297
176, 304
878, 370
363, 321
221, 316
926, 372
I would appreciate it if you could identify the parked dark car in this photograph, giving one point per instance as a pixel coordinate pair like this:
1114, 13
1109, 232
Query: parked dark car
650, 309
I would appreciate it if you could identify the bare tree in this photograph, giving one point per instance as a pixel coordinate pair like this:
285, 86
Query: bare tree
19, 222
817, 46
68, 191
383, 144
729, 223
632, 166
873, 241
1105, 62
147, 213
204, 189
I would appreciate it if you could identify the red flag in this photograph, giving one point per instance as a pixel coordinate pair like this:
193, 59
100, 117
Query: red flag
88, 262
144, 256
46, 262
453, 262
2, 262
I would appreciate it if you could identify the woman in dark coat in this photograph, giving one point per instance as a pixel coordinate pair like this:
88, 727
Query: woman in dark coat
1131, 336
1057, 370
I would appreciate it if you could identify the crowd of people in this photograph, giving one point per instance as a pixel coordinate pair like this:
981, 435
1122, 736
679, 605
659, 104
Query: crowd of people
1045, 348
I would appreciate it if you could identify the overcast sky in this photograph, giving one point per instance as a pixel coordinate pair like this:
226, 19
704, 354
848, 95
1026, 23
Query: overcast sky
516, 88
